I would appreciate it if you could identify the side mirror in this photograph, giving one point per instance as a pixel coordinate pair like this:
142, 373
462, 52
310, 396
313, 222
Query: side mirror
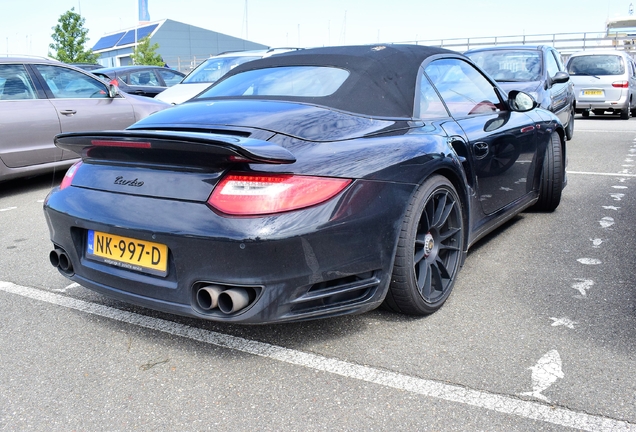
560, 78
520, 101
113, 91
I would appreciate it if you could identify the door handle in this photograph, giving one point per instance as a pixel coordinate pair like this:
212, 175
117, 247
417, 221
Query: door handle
68, 112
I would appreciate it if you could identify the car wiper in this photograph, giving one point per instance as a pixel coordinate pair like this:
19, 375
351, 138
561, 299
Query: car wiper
587, 74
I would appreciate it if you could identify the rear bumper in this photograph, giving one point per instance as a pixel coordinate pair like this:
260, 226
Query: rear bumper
606, 105
328, 260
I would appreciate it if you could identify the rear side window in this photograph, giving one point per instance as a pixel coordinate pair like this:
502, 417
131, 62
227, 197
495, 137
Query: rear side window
596, 65
15, 83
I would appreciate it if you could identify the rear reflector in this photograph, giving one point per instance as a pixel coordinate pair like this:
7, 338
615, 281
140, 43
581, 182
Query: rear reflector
620, 84
127, 144
243, 194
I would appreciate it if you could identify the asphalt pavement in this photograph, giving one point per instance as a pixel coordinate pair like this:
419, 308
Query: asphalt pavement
538, 335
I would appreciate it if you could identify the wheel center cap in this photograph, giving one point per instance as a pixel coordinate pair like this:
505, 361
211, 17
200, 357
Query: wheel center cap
429, 244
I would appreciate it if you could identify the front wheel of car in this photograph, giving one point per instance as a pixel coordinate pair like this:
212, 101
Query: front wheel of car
552, 173
429, 251
569, 131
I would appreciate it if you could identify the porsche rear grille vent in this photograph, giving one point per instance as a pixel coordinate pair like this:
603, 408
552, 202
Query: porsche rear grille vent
344, 291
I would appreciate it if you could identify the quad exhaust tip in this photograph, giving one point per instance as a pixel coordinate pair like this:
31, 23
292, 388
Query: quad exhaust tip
227, 300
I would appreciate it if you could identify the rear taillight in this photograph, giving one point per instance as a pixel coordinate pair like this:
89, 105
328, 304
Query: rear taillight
68, 177
620, 84
243, 194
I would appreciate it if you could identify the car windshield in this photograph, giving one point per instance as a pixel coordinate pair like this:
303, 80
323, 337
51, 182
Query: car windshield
214, 68
509, 65
596, 65
298, 81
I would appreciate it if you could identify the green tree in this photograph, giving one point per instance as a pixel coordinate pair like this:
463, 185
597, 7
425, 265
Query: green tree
69, 38
146, 54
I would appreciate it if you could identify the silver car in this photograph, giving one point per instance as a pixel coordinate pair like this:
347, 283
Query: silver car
208, 72
604, 82
40, 98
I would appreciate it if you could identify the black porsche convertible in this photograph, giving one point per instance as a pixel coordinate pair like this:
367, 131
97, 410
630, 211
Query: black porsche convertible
306, 185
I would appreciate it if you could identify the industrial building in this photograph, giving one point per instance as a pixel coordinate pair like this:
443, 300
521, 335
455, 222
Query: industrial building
182, 46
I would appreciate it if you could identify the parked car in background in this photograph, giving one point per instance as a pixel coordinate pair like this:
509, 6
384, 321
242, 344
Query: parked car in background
535, 69
604, 82
140, 80
39, 98
208, 72
87, 66
309, 184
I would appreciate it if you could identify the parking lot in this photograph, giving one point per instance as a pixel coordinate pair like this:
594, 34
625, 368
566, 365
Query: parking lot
539, 334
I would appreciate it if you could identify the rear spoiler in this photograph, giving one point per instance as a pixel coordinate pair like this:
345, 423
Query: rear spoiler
137, 143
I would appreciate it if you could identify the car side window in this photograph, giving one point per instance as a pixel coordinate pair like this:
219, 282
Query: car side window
15, 83
70, 84
464, 90
430, 105
558, 59
171, 78
551, 65
143, 78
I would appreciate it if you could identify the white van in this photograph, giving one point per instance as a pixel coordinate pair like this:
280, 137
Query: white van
604, 82
208, 72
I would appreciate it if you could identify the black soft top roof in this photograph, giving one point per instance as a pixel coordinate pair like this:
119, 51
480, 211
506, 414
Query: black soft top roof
381, 82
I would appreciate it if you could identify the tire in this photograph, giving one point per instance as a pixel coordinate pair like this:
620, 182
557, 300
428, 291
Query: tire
626, 112
585, 114
599, 112
569, 130
551, 185
429, 251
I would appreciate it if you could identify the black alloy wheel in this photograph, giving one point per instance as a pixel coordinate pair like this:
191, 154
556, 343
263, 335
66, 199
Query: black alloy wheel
429, 251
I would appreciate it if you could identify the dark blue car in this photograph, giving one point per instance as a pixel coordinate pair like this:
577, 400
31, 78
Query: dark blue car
306, 185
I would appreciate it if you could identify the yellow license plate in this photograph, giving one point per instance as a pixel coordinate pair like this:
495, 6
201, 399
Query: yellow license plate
593, 92
128, 253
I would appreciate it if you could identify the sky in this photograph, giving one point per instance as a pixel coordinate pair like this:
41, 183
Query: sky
26, 25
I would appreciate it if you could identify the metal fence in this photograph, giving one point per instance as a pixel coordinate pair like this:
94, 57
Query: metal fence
565, 43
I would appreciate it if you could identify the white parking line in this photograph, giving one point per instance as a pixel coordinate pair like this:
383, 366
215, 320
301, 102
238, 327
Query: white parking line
454, 393
602, 174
